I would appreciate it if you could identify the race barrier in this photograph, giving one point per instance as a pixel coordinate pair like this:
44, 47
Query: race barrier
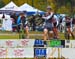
69, 43
13, 43
67, 53
16, 52
17, 43
30, 48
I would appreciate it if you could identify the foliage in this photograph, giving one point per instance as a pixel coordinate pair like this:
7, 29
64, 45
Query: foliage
64, 6
1, 4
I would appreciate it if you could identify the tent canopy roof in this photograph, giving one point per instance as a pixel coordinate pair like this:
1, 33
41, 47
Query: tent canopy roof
10, 6
27, 7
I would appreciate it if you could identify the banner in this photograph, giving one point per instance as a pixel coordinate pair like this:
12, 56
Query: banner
53, 52
56, 43
69, 43
10, 43
17, 43
20, 53
13, 43
3, 53
26, 43
39, 52
16, 53
68, 53
39, 43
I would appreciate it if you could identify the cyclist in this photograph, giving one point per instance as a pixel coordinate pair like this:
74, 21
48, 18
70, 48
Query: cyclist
68, 27
50, 24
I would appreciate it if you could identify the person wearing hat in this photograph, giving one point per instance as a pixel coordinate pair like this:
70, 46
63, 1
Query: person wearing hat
50, 19
23, 24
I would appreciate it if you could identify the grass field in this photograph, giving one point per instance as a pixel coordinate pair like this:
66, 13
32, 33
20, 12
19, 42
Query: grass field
33, 35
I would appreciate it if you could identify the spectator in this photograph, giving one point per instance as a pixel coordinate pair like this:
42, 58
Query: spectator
6, 23
22, 24
14, 21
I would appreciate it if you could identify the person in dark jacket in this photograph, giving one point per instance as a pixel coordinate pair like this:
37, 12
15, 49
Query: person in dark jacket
14, 21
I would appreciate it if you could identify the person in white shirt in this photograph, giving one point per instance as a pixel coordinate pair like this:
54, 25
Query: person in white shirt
6, 23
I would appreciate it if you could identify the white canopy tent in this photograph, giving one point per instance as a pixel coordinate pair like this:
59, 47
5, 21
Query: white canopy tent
28, 8
11, 6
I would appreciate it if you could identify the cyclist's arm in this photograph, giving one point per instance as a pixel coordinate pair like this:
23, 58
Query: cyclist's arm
48, 17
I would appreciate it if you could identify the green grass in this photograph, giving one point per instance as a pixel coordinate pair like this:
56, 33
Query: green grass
32, 32
9, 37
16, 35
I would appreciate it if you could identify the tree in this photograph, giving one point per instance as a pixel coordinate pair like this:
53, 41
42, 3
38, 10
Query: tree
57, 5
63, 10
1, 4
6, 1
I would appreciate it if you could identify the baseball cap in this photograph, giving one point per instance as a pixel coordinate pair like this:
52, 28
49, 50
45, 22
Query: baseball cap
49, 7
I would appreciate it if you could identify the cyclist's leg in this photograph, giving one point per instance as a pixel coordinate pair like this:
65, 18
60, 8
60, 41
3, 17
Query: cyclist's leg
57, 34
45, 34
70, 32
67, 34
74, 30
55, 31
50, 35
27, 31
